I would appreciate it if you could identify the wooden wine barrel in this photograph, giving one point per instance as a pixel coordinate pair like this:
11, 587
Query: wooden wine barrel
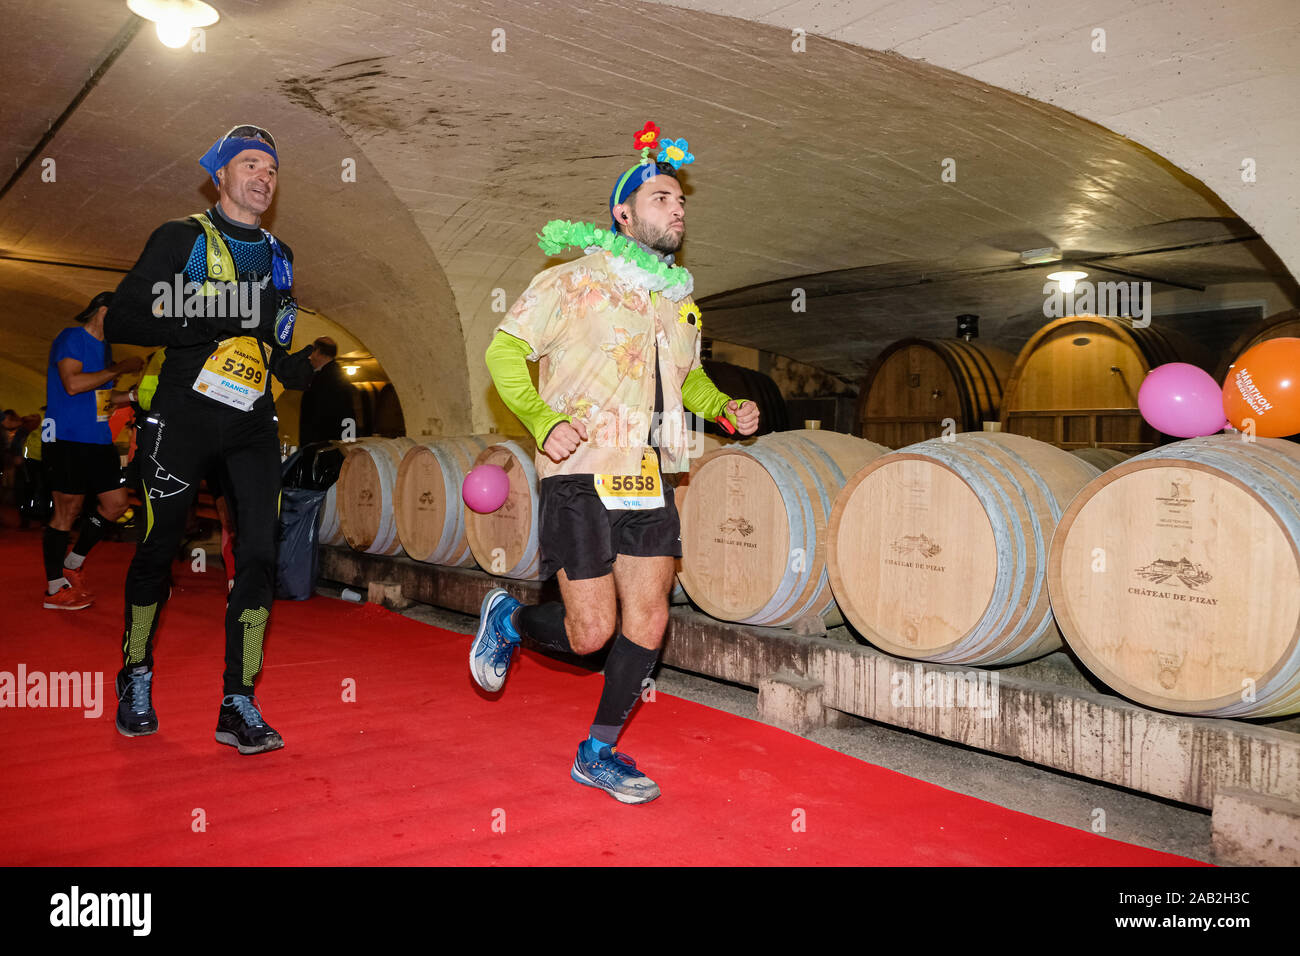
754, 525
331, 530
364, 495
915, 385
1277, 326
1175, 577
1076, 381
939, 551
505, 542
1101, 458
706, 443
430, 513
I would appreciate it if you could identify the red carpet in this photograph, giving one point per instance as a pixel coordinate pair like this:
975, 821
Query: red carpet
422, 766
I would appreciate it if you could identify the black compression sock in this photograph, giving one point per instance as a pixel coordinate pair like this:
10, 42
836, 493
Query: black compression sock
54, 546
626, 669
93, 527
544, 623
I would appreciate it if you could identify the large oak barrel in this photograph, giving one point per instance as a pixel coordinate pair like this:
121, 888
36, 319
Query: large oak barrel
430, 512
915, 385
331, 532
939, 551
1277, 326
1175, 577
364, 494
754, 525
1076, 381
331, 529
1101, 458
704, 443
505, 542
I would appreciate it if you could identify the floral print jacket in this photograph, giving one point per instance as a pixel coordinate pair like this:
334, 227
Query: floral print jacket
595, 336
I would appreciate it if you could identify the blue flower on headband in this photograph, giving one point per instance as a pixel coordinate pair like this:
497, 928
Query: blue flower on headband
675, 153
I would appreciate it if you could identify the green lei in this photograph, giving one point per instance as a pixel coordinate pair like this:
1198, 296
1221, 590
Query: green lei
650, 272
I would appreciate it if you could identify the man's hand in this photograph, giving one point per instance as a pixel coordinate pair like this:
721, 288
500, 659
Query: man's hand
129, 365
746, 414
564, 440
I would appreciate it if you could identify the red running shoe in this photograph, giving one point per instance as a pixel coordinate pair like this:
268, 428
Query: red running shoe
68, 598
77, 578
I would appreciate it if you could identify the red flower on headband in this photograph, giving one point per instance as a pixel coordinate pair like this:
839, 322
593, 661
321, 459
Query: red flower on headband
648, 138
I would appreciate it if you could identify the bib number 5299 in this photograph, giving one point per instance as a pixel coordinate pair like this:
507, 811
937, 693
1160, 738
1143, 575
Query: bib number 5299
250, 373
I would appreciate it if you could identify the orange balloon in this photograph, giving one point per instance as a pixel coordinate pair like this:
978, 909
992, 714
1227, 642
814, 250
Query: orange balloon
1263, 385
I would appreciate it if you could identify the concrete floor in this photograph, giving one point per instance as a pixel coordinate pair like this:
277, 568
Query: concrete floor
1047, 794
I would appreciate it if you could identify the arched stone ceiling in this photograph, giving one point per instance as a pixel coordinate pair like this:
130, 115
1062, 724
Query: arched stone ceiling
807, 164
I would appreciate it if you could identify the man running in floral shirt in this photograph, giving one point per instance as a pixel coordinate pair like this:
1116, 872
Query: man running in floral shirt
618, 337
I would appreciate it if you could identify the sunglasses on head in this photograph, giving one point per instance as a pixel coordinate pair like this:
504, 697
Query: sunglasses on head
251, 132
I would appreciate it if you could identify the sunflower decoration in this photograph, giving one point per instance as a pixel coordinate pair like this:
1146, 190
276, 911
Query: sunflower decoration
690, 314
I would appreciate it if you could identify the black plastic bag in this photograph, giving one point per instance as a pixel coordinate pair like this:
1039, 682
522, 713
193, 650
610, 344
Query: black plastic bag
297, 561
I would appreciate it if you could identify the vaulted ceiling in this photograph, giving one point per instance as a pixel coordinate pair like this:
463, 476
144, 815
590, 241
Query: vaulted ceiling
470, 125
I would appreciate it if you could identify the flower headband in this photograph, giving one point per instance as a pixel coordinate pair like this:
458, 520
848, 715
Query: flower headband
674, 152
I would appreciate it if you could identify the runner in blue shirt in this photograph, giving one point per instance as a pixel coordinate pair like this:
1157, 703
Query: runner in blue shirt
78, 451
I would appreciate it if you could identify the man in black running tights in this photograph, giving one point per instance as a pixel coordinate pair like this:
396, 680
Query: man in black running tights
214, 289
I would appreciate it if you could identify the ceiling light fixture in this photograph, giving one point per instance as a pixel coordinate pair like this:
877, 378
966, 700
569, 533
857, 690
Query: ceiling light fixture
175, 18
1068, 279
351, 369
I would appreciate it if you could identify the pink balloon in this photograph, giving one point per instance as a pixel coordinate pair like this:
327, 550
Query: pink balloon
1182, 400
485, 488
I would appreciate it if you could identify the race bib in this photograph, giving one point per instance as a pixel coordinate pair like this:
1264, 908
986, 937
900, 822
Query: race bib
103, 404
235, 374
633, 492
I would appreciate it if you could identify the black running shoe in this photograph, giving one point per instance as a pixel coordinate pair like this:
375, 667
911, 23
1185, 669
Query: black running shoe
135, 713
240, 725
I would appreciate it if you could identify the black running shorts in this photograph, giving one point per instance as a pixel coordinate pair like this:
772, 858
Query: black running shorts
82, 468
581, 535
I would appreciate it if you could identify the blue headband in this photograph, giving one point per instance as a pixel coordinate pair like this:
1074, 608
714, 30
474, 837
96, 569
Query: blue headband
226, 149
627, 184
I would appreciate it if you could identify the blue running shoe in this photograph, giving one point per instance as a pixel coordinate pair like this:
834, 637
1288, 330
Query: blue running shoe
494, 647
613, 772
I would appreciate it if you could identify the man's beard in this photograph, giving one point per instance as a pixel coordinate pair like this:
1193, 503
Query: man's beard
665, 242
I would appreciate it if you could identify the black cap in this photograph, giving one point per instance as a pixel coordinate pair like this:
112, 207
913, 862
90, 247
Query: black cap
88, 313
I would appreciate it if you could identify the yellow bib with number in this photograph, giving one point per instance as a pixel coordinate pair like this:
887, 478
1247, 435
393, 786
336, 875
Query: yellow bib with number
103, 404
235, 374
633, 492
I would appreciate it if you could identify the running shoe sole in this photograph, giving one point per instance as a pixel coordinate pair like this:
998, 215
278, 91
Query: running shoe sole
586, 781
132, 733
68, 607
272, 743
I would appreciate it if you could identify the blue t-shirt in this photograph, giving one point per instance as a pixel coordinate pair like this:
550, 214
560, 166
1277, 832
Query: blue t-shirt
75, 415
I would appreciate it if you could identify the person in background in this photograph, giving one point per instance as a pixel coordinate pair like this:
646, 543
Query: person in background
327, 403
78, 451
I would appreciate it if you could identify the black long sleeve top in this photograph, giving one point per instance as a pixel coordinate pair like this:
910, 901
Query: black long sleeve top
175, 255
